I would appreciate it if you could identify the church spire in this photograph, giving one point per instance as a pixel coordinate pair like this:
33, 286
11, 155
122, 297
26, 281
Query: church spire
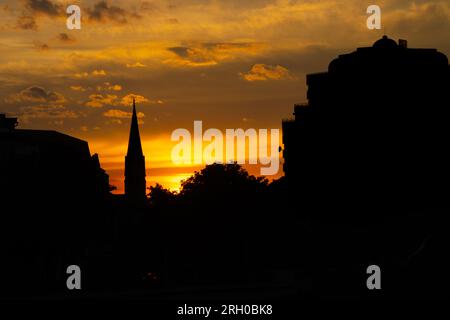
134, 142
135, 184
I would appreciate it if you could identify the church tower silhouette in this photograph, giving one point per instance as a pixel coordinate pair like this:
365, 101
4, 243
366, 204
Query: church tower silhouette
135, 184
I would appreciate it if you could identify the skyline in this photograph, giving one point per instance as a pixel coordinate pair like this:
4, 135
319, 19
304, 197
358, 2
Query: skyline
227, 63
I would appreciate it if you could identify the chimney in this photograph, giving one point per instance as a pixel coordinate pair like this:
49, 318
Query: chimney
403, 43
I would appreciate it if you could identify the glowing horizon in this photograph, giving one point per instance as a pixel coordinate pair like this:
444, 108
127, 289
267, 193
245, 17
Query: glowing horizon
159, 167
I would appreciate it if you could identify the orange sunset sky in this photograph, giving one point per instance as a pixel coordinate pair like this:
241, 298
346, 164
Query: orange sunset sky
230, 63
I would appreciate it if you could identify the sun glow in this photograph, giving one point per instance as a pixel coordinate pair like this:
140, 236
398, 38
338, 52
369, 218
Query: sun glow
171, 182
159, 166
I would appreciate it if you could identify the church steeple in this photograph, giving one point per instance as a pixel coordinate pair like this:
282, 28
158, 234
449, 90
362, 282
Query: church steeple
134, 142
135, 184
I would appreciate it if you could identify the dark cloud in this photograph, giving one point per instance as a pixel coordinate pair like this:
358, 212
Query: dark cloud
26, 23
33, 7
182, 52
423, 20
224, 4
194, 56
103, 12
228, 45
41, 46
404, 4
37, 94
64, 37
6, 8
212, 53
46, 7
148, 6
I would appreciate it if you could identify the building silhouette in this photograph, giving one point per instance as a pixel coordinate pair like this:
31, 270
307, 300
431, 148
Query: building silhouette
373, 131
135, 184
52, 159
366, 166
7, 124
53, 193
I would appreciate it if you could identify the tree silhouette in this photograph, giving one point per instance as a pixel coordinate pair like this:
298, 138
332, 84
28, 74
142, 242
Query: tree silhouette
221, 208
227, 182
160, 196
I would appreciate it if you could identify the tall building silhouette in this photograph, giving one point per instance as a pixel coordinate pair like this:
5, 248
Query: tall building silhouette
373, 130
135, 185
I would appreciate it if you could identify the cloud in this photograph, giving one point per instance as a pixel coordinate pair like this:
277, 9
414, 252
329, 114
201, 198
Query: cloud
115, 121
95, 73
263, 72
148, 6
422, 19
99, 100
128, 99
135, 65
99, 73
81, 75
46, 112
36, 94
77, 88
115, 113
26, 23
208, 54
108, 86
64, 37
41, 46
45, 7
172, 21
103, 12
